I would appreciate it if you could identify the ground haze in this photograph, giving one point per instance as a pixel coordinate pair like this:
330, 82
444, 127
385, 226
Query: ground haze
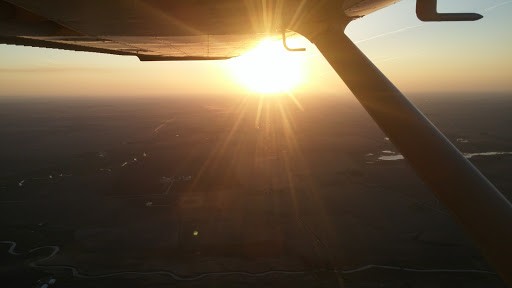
234, 191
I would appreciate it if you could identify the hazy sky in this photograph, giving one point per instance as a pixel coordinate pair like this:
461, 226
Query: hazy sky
418, 57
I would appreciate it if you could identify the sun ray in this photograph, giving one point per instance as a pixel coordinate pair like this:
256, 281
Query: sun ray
220, 148
295, 100
258, 113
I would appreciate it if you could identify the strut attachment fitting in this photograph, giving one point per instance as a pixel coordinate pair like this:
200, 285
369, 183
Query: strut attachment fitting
426, 10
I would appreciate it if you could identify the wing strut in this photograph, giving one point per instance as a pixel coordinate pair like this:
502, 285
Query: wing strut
482, 210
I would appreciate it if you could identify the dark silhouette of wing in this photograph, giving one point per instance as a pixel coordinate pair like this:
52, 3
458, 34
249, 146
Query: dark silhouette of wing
158, 29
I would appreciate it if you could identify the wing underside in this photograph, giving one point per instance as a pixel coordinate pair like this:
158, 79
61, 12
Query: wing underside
159, 29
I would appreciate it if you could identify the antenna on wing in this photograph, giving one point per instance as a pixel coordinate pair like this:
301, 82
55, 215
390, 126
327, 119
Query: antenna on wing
286, 44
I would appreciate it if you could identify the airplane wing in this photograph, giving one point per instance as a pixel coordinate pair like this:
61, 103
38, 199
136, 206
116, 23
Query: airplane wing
162, 29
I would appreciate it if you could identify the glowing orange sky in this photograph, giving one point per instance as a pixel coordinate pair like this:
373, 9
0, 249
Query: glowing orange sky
418, 57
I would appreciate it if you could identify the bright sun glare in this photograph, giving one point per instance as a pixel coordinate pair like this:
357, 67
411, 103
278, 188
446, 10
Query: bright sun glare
269, 68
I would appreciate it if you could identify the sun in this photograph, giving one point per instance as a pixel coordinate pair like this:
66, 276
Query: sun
269, 68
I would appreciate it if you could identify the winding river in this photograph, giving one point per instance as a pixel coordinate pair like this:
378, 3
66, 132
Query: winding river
54, 250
